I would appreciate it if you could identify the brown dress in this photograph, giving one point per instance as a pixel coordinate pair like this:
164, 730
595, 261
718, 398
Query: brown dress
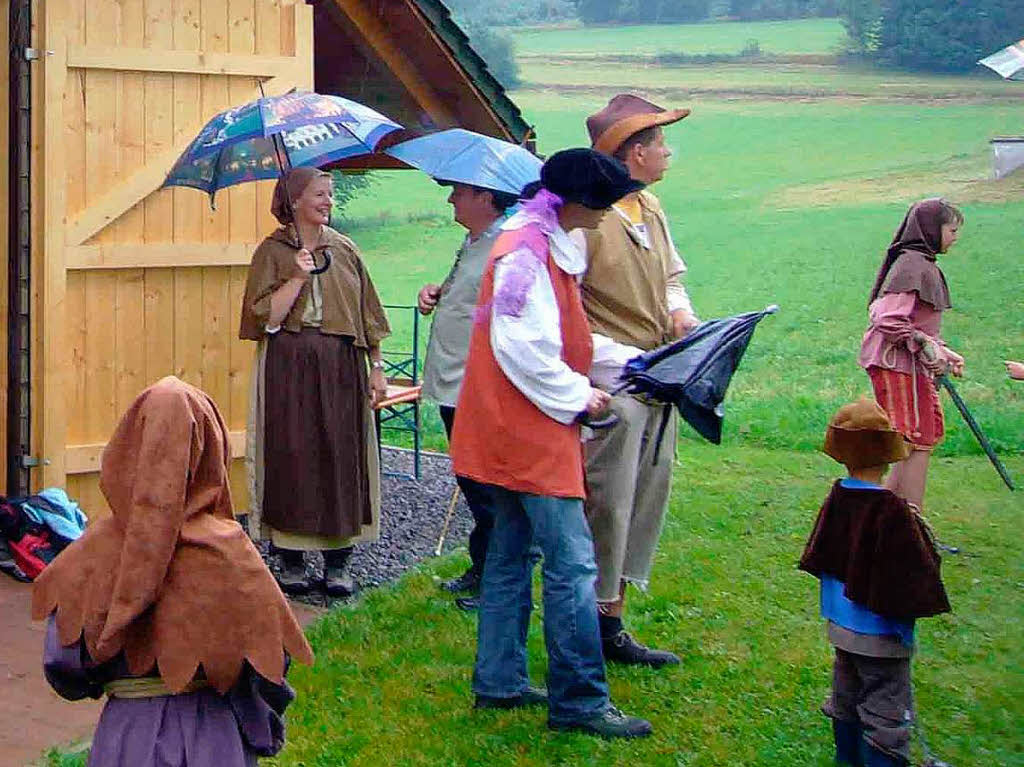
312, 447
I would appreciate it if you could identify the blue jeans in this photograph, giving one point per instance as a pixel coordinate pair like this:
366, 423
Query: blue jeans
576, 681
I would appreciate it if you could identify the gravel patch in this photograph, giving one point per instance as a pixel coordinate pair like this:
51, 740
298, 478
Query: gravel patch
412, 518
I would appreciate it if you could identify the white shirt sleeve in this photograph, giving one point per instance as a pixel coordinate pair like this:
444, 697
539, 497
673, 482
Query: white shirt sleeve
609, 358
526, 338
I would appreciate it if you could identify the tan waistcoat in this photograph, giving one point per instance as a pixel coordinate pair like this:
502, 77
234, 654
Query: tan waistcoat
624, 285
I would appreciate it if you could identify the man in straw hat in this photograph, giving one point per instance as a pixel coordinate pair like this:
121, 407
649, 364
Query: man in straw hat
879, 571
632, 294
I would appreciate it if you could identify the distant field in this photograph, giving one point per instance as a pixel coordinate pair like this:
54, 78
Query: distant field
803, 36
761, 80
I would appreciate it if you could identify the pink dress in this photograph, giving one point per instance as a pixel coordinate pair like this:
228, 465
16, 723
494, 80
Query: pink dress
903, 386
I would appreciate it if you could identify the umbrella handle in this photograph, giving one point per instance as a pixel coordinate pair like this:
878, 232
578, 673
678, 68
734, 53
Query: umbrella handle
603, 422
327, 263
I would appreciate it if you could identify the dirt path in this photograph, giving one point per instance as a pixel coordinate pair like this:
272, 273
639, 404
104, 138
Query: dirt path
32, 717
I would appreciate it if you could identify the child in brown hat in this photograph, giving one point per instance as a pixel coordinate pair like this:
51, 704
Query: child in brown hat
879, 571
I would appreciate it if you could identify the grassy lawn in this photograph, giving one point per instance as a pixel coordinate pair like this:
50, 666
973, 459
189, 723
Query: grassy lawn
392, 680
805, 36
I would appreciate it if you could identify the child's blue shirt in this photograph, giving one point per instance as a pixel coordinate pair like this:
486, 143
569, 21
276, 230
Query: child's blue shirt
843, 612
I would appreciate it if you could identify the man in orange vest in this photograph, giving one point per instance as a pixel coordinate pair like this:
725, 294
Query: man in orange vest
526, 386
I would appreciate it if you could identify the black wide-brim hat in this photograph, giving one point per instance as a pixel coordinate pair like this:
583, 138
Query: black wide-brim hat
592, 179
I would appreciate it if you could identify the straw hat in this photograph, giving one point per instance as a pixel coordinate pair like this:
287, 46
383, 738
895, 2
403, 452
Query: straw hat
624, 115
860, 435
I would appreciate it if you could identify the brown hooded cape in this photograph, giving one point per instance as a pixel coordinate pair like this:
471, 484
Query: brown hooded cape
170, 578
872, 542
910, 261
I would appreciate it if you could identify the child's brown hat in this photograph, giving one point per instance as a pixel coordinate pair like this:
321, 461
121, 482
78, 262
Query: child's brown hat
860, 435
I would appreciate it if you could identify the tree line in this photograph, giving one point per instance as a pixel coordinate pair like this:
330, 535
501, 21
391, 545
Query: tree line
936, 35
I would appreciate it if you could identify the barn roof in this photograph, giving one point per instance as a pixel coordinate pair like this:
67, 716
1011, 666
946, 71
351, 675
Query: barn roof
410, 60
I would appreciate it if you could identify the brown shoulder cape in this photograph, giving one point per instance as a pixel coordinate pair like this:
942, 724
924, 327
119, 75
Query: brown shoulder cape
872, 542
170, 578
913, 271
351, 304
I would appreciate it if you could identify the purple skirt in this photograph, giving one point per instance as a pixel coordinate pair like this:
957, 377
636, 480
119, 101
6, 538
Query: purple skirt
194, 730
198, 729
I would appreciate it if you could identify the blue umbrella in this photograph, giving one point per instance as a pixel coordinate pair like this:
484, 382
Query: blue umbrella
462, 156
268, 136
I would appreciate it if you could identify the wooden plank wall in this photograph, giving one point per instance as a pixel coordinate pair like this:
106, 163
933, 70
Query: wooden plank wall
129, 326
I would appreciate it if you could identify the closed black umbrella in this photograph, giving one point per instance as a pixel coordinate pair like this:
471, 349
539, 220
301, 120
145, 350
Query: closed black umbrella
694, 372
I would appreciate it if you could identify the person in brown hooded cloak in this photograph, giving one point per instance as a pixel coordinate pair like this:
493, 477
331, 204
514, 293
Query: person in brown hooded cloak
902, 349
311, 446
166, 605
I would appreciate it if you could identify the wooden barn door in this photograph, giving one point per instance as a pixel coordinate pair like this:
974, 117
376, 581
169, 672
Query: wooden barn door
141, 282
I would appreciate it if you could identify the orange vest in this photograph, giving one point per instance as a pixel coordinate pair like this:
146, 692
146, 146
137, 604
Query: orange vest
500, 437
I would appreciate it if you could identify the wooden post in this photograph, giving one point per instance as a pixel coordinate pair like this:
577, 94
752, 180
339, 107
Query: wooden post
5, 10
50, 368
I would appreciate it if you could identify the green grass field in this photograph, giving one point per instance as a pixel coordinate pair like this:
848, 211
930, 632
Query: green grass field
392, 680
808, 36
773, 199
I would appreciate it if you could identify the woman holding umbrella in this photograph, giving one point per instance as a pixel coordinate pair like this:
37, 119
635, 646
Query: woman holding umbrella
312, 447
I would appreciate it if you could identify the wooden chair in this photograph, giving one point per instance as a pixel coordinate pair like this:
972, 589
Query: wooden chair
400, 409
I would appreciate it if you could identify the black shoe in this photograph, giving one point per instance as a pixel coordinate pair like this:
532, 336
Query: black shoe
468, 581
531, 696
622, 648
293, 581
337, 581
339, 584
292, 575
611, 723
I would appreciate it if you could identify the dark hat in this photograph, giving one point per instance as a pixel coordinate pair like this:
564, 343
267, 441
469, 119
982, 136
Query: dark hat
624, 115
583, 176
861, 435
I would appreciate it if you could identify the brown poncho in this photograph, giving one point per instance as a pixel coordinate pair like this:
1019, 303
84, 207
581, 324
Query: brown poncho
351, 306
872, 542
909, 265
170, 578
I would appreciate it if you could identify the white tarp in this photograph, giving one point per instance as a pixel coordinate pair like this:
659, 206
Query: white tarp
1009, 62
1007, 155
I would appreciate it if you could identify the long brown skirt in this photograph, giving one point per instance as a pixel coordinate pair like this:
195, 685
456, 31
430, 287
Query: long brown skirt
315, 470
